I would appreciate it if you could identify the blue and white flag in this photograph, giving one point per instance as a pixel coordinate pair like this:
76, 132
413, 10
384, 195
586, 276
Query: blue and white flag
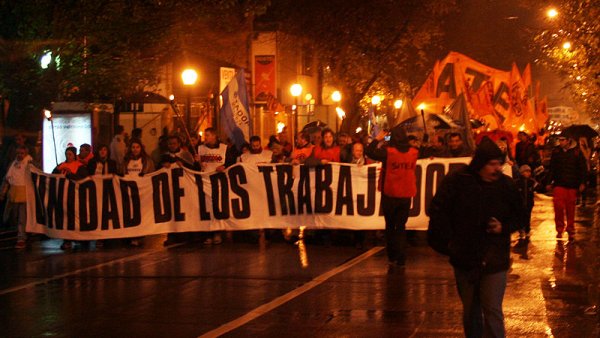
235, 113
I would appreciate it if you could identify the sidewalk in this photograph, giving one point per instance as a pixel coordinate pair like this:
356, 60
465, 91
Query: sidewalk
556, 275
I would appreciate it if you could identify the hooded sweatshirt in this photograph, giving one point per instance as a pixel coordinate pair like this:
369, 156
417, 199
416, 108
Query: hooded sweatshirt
399, 160
568, 167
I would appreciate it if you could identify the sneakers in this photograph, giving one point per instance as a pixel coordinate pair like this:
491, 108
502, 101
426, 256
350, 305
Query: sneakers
217, 239
20, 244
208, 241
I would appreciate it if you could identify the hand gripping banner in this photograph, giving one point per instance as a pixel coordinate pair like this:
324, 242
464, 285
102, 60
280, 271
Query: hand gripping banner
244, 197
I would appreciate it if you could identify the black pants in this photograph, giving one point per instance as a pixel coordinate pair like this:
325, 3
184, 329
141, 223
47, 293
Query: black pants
395, 212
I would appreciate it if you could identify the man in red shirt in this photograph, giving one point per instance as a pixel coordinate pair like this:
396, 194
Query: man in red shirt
399, 186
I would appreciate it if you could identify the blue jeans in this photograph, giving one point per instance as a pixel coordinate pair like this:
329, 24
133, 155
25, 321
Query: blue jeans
481, 296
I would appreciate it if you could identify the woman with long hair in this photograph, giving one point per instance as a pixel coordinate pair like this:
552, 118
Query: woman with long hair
137, 163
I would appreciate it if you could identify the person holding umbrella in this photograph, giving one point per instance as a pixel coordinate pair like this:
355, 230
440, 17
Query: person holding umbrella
567, 174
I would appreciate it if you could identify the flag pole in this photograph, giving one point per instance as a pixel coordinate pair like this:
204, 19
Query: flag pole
178, 115
425, 134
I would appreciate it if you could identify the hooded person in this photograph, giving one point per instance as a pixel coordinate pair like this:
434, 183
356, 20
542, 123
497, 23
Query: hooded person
398, 186
471, 218
568, 176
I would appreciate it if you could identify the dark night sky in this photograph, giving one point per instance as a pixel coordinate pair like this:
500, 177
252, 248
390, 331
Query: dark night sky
498, 33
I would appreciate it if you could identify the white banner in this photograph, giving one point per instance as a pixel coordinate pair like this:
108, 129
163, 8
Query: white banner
69, 130
335, 196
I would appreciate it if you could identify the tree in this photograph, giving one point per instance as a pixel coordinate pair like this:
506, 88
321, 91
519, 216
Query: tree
106, 49
101, 49
367, 47
571, 47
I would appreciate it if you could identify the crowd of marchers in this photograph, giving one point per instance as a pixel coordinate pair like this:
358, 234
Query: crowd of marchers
472, 215
126, 155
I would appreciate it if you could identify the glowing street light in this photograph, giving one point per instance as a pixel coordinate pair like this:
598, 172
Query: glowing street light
566, 45
398, 104
552, 13
421, 106
336, 96
189, 77
376, 100
46, 59
296, 90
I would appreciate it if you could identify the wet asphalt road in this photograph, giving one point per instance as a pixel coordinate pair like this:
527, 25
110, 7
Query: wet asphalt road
244, 289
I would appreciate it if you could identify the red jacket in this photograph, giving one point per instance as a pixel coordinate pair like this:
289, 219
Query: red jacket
400, 180
331, 154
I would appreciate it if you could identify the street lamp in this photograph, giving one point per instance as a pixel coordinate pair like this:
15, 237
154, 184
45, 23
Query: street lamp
336, 97
398, 104
48, 115
189, 77
376, 100
566, 45
552, 13
295, 90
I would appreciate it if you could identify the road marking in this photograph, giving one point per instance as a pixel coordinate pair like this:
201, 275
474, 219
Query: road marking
70, 273
265, 308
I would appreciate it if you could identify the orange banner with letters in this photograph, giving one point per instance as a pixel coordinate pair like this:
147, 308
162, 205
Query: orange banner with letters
500, 98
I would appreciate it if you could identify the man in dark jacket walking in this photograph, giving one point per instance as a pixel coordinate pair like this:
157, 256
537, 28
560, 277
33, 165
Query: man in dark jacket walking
471, 218
568, 173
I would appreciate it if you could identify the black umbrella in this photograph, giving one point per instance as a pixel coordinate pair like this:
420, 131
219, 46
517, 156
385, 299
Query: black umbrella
314, 126
579, 130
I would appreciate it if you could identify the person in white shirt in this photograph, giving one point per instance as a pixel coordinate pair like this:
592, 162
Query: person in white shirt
214, 156
118, 147
257, 154
137, 162
14, 186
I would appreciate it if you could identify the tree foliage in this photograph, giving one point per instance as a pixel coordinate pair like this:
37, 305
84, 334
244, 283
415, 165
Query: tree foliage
367, 47
576, 24
108, 48
112, 48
